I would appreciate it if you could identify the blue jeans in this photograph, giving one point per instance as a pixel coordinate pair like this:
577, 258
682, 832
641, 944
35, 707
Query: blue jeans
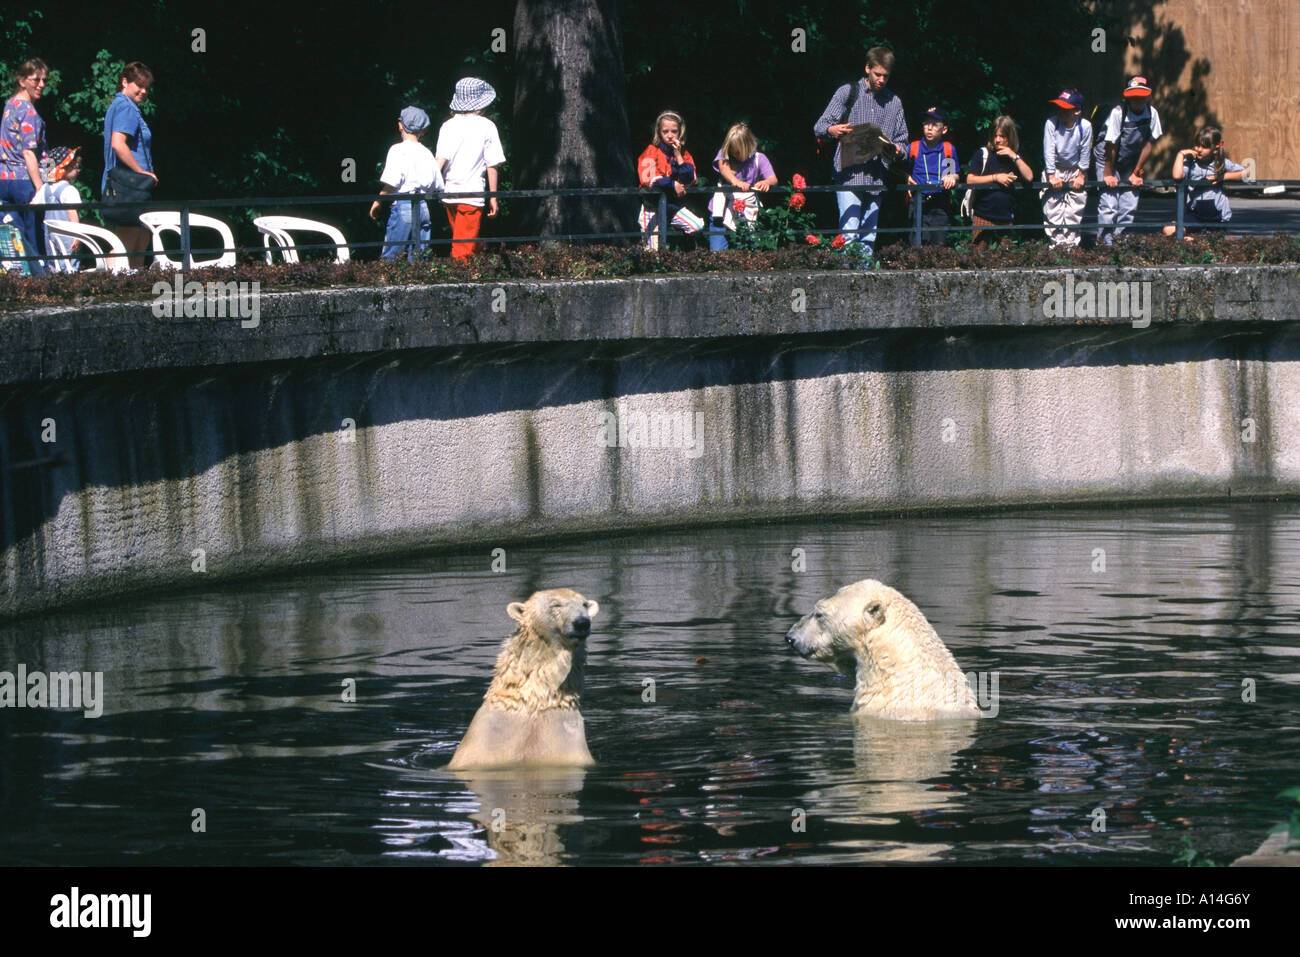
859, 213
717, 237
398, 234
30, 221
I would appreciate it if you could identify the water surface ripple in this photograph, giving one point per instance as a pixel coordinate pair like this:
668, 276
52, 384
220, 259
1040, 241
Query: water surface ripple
1119, 689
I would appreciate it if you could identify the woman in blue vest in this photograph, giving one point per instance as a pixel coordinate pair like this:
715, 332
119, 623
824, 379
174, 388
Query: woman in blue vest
129, 143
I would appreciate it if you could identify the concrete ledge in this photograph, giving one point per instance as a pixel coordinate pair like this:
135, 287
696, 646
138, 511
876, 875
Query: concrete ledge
58, 344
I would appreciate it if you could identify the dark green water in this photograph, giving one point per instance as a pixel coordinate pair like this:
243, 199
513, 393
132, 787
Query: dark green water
1118, 689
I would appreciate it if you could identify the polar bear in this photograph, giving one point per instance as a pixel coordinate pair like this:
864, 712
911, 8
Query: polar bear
904, 671
529, 716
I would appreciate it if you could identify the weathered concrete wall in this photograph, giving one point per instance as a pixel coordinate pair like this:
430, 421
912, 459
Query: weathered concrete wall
479, 427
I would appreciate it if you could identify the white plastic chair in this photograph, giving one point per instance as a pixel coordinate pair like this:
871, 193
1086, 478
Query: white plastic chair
93, 236
167, 220
277, 229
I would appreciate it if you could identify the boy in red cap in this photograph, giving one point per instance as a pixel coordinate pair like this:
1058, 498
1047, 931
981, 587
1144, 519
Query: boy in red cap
1067, 146
1121, 157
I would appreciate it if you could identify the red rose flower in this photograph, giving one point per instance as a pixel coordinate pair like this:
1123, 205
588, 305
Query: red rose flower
738, 205
812, 240
838, 241
796, 201
799, 182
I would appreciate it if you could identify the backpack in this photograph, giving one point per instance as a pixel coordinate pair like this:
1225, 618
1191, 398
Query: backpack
826, 144
914, 150
968, 201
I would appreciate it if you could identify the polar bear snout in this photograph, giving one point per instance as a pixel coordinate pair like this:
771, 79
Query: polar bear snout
580, 627
807, 638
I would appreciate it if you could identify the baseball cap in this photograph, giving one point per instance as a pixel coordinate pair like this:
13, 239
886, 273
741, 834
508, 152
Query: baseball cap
1137, 87
1069, 100
938, 113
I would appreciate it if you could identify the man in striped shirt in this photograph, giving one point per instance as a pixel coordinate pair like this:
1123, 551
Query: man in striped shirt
871, 102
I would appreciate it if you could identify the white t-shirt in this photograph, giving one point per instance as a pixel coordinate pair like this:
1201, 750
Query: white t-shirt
62, 192
1116, 118
410, 168
470, 144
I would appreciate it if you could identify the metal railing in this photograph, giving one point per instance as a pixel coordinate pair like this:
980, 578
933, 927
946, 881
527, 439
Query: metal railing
916, 228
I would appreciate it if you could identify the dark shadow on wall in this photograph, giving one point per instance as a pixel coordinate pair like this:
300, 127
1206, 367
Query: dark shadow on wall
1160, 49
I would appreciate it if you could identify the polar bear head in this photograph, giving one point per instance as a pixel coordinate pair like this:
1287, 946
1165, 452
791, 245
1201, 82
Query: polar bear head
903, 668
558, 616
839, 630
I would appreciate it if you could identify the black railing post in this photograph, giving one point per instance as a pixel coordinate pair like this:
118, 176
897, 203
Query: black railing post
415, 226
1178, 213
663, 221
185, 241
916, 234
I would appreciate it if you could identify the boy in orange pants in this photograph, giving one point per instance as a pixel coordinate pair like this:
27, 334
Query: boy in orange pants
469, 148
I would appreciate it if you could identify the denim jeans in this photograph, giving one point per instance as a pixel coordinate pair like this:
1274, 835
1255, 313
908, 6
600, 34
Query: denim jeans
717, 237
30, 221
859, 213
398, 233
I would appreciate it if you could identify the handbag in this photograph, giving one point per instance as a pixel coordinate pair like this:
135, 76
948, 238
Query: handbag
124, 188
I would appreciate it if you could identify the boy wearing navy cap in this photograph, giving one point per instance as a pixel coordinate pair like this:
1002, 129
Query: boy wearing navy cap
932, 161
1067, 149
409, 169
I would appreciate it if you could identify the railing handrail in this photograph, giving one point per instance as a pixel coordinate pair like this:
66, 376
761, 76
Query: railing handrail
186, 207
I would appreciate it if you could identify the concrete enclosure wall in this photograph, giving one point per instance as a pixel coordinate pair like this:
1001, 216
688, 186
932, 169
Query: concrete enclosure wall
356, 422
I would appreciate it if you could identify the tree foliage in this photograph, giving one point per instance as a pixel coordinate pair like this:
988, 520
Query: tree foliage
284, 95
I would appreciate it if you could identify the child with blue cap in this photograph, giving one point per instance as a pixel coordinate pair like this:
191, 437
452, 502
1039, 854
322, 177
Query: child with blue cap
409, 168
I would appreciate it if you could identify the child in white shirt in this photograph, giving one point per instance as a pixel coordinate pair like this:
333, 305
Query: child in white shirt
409, 168
1067, 151
60, 169
469, 148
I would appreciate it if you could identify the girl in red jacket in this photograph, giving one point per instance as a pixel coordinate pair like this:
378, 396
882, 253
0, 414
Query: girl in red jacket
665, 164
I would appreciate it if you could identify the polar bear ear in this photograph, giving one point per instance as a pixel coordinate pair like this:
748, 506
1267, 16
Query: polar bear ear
592, 607
874, 614
516, 610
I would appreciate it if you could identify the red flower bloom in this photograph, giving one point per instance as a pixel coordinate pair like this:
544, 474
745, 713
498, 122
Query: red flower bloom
796, 201
799, 182
812, 240
738, 205
838, 241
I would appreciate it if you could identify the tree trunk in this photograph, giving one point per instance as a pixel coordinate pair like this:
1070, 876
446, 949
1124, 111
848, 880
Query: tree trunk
570, 116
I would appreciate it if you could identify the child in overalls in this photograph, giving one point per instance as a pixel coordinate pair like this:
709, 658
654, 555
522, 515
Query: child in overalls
1121, 157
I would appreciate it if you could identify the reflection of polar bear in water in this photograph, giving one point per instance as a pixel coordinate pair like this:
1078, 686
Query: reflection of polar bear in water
529, 716
904, 671
522, 811
898, 771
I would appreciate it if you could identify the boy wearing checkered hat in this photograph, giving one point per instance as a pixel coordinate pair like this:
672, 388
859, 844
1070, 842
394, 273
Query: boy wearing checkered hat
469, 148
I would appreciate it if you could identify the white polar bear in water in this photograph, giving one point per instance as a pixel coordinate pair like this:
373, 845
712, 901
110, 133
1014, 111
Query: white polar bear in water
529, 716
904, 670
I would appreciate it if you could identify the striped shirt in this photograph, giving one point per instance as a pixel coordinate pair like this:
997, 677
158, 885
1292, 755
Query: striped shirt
884, 109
